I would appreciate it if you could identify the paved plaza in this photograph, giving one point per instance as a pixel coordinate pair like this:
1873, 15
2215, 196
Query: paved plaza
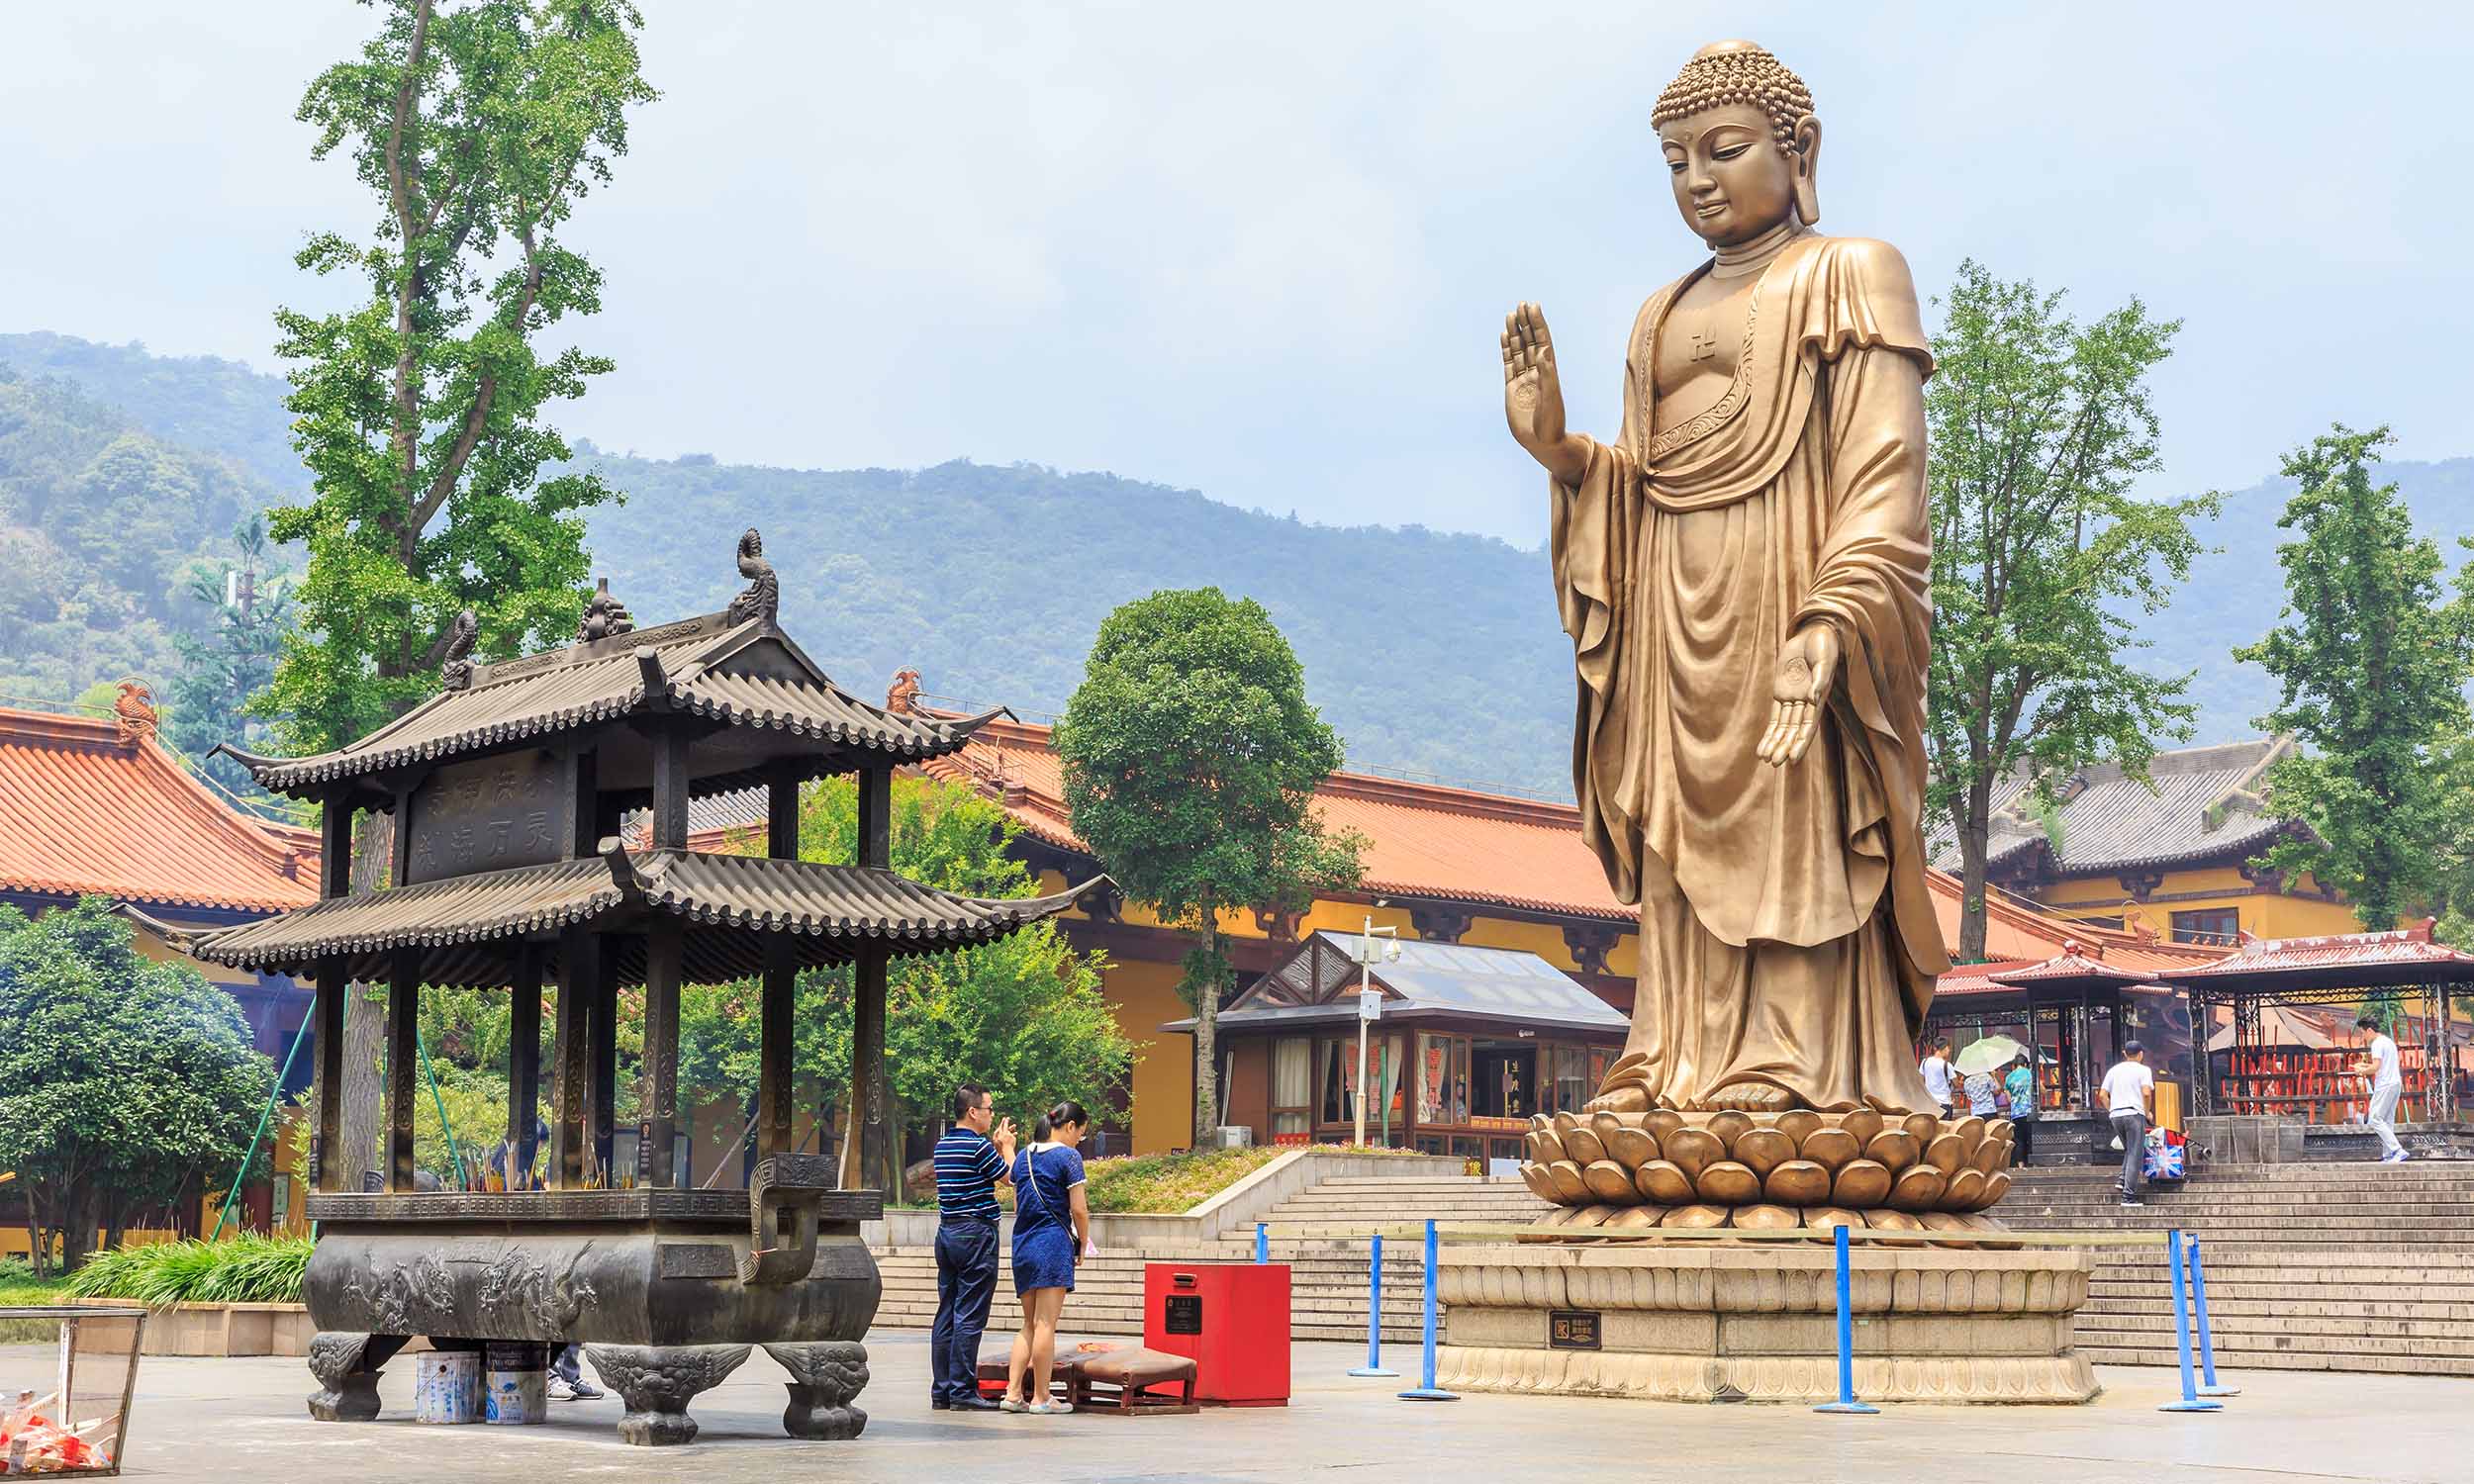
243, 1420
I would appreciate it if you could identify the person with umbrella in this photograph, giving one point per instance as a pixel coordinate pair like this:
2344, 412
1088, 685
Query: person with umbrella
2021, 1086
1978, 1068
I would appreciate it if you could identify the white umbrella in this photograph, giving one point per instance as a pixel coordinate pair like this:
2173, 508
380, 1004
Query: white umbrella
1988, 1054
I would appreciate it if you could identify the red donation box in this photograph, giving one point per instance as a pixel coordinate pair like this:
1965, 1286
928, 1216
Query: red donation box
1231, 1318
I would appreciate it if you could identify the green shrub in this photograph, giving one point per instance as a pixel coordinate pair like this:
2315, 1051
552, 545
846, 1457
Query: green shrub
246, 1269
15, 1270
1166, 1184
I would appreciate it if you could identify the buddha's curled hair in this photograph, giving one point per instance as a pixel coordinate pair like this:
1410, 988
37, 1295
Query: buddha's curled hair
1736, 72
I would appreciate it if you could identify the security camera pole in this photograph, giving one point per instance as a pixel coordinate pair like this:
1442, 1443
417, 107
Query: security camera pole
1370, 1004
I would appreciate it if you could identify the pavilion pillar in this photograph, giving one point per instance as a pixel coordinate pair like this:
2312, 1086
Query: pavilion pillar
326, 1161
776, 1068
403, 1064
328, 1165
579, 979
873, 1133
602, 1072
664, 944
524, 1062
670, 790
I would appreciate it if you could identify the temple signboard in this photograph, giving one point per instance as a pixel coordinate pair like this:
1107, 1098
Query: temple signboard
488, 814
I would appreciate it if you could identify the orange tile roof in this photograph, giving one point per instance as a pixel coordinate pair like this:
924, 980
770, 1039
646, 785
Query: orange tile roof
82, 811
1460, 845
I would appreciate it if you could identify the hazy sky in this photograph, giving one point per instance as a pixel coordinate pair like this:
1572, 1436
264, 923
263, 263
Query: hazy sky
1262, 250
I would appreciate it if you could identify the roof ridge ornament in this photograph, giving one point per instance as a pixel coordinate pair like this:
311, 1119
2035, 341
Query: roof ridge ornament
763, 598
133, 712
456, 671
604, 615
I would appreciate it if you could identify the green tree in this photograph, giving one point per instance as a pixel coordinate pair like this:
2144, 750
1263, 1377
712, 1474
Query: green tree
1023, 1015
2371, 657
220, 671
418, 413
1190, 761
2041, 556
124, 1083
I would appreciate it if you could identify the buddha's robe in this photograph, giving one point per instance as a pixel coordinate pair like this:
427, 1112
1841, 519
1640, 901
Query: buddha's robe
1786, 937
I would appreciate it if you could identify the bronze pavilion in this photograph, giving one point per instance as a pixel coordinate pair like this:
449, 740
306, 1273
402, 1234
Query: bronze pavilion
507, 871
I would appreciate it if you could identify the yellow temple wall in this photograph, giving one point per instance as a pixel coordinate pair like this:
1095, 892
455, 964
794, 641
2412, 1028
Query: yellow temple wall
2197, 890
1160, 1100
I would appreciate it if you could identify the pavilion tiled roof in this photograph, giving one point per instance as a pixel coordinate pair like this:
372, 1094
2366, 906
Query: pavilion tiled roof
1976, 978
87, 807
583, 685
2339, 961
2207, 804
2072, 966
730, 903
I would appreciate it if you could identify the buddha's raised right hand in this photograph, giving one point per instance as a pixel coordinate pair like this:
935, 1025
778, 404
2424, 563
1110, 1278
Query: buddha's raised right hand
1532, 395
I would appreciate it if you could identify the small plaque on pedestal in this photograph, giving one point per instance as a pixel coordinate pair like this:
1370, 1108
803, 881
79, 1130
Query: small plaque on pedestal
1571, 1328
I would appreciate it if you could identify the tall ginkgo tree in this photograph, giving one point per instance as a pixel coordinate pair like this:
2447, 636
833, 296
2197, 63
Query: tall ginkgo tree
478, 126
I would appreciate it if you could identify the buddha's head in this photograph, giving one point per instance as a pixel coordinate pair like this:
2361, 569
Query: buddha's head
1741, 141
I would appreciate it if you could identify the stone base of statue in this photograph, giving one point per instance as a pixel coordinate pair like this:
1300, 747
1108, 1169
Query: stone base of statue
1717, 1322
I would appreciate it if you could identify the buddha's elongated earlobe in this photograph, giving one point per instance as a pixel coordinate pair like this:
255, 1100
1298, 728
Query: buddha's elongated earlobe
1805, 158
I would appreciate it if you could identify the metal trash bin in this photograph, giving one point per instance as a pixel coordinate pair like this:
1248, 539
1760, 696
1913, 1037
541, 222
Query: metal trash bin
67, 1414
1231, 1318
1236, 1136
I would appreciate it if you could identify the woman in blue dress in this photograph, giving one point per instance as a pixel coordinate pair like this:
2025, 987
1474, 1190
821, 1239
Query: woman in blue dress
1051, 1228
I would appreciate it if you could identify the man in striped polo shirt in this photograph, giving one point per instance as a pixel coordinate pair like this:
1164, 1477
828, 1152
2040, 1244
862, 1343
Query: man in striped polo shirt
969, 1163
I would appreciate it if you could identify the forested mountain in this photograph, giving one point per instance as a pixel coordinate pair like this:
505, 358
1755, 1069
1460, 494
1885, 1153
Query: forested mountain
1427, 650
102, 526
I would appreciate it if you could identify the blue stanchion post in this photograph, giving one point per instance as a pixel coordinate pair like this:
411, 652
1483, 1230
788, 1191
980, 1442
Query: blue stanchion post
1427, 1390
2191, 1399
1262, 1241
1846, 1401
1374, 1365
2206, 1343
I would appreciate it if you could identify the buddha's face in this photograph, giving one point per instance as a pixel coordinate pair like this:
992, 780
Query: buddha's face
1732, 180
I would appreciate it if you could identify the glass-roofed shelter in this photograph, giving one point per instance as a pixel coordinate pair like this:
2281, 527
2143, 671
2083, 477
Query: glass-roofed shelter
1466, 1044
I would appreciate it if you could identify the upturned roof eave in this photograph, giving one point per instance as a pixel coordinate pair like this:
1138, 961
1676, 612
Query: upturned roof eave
801, 899
397, 745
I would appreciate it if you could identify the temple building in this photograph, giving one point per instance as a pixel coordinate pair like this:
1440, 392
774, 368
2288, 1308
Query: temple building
2175, 862
1442, 864
96, 806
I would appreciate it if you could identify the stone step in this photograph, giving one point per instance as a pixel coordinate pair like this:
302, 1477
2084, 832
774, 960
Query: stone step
2281, 1287
2102, 1351
2222, 1312
2294, 1329
2454, 1352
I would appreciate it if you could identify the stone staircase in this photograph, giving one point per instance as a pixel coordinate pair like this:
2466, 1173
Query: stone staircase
1327, 1274
2310, 1266
2351, 1267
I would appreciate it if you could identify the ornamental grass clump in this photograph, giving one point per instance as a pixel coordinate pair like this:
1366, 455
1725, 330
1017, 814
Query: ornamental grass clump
246, 1269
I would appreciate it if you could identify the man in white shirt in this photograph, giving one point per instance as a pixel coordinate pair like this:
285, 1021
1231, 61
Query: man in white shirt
2388, 1084
2130, 1097
1935, 1069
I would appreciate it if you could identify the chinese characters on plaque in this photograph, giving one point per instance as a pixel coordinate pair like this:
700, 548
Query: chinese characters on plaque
489, 814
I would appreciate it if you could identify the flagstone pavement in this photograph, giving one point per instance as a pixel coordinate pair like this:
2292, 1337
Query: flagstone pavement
244, 1420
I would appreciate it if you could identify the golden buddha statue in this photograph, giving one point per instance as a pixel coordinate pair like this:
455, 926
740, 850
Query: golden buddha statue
1743, 573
